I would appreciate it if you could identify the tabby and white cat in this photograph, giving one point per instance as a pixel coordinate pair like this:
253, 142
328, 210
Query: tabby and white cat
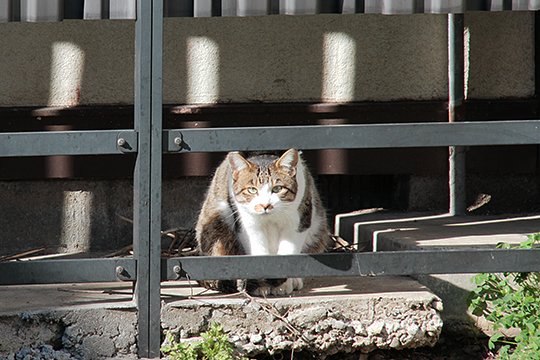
262, 205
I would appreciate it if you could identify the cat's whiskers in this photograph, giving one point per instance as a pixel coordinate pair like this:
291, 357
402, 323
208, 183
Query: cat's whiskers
234, 216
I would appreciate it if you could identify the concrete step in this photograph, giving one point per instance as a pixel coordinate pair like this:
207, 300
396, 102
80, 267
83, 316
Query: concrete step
98, 321
379, 230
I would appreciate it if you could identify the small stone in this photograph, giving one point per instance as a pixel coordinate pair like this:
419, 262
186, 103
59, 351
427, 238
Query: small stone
413, 329
376, 328
287, 344
256, 338
278, 339
391, 327
394, 344
338, 325
308, 315
437, 304
359, 328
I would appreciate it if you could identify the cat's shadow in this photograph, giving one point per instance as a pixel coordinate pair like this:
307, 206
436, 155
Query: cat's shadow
314, 288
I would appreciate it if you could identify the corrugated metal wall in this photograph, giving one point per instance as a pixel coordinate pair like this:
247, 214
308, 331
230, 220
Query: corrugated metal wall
56, 10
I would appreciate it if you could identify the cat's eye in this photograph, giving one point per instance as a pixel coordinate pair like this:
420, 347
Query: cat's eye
277, 189
252, 190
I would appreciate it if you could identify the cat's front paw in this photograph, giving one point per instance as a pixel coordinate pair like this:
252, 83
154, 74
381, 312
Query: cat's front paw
261, 291
288, 286
298, 283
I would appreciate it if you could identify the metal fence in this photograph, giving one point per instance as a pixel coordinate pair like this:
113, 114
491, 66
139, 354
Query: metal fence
149, 141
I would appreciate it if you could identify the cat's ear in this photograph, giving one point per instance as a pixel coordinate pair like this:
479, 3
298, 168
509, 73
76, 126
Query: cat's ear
289, 160
237, 163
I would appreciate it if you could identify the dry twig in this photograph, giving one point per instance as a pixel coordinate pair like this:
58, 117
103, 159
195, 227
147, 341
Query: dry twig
271, 309
23, 254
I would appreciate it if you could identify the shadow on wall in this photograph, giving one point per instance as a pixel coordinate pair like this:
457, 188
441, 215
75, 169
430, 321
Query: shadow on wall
327, 58
64, 66
335, 58
64, 216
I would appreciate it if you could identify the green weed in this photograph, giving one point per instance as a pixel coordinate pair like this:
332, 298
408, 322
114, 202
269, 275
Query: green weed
511, 301
215, 345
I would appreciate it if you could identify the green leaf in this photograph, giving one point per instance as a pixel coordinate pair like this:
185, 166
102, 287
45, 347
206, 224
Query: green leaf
511, 300
493, 340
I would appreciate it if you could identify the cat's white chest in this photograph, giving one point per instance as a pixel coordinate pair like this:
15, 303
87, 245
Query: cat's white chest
269, 234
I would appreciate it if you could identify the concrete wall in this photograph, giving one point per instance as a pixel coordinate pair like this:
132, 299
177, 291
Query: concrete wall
271, 59
74, 216
336, 58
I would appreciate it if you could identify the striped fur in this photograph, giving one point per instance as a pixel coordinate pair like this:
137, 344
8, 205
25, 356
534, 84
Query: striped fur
262, 205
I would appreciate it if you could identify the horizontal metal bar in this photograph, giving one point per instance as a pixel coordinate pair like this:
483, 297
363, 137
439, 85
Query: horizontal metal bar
256, 267
355, 136
67, 143
67, 271
353, 264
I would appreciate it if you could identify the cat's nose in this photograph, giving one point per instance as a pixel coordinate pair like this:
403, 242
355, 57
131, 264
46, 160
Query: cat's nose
264, 208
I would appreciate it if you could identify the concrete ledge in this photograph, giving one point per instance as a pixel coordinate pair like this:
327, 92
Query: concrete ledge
90, 321
328, 316
376, 229
386, 231
98, 321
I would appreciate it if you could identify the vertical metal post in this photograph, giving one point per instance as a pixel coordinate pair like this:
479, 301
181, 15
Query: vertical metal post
456, 154
147, 177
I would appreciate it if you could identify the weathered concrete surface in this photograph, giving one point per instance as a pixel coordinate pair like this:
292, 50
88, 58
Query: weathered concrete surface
78, 216
98, 321
208, 60
93, 321
327, 317
409, 231
518, 192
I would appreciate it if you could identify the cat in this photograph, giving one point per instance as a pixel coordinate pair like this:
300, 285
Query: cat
262, 205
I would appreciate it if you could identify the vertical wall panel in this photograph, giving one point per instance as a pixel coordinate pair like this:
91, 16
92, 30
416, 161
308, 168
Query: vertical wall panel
253, 7
15, 10
353, 6
373, 6
329, 6
298, 7
526, 5
73, 9
444, 6
122, 9
228, 7
401, 6
499, 5
175, 8
42, 10
96, 9
5, 10
202, 8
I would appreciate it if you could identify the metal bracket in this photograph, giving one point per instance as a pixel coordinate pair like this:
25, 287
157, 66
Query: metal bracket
122, 274
126, 142
174, 142
178, 272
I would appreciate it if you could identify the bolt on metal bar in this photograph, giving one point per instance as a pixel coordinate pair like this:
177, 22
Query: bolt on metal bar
88, 142
355, 136
456, 154
353, 264
147, 178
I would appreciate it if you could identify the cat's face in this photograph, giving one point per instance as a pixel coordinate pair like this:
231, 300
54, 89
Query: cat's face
264, 184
